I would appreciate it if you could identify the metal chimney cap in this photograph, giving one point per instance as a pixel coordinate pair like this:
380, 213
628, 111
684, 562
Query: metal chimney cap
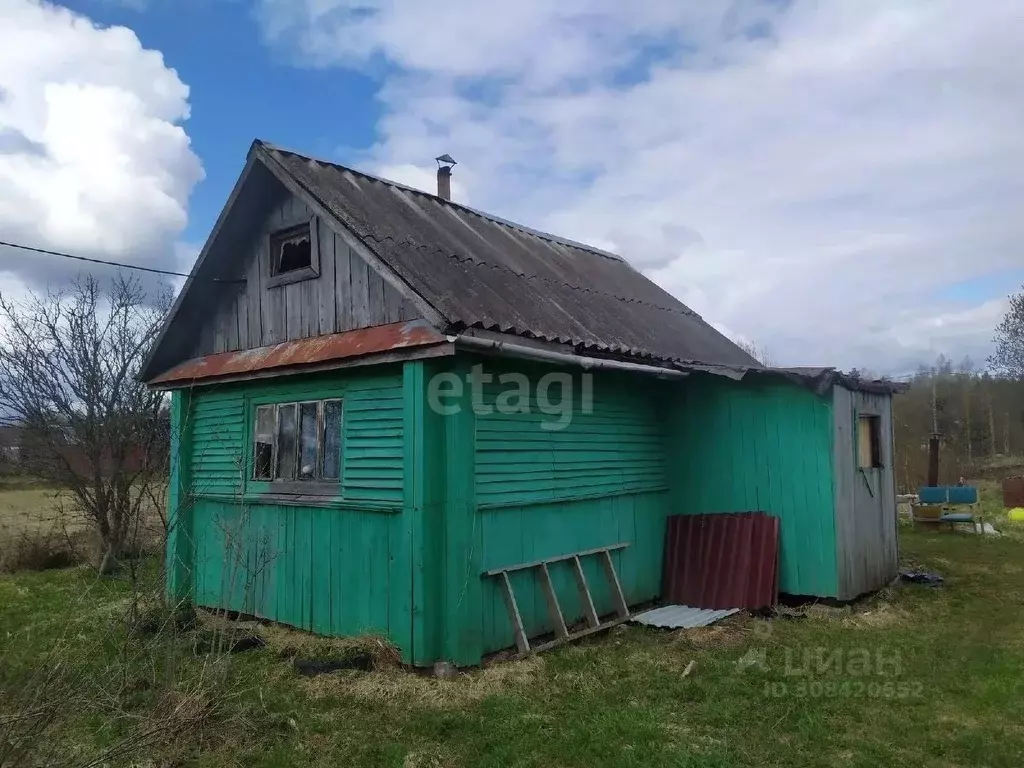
446, 159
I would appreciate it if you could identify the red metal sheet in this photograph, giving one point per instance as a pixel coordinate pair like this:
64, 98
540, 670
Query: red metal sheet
1013, 492
319, 349
722, 561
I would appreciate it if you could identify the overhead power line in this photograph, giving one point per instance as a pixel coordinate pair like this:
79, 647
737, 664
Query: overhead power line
117, 264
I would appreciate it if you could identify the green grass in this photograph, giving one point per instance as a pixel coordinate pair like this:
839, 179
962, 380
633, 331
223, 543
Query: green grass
946, 692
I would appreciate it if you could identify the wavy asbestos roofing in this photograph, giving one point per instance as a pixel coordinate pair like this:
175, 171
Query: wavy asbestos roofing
480, 271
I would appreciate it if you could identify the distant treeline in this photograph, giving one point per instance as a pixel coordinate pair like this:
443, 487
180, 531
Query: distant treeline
980, 418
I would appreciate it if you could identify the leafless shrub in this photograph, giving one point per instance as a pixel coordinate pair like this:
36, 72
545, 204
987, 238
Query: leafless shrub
762, 354
35, 550
68, 377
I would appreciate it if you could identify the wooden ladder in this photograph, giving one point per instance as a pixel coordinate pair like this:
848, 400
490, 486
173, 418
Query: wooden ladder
562, 634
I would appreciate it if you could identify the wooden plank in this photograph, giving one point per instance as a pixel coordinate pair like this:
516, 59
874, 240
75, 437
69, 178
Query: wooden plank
343, 285
579, 635
220, 340
618, 598
326, 306
557, 559
310, 308
554, 609
360, 298
253, 293
586, 600
242, 310
513, 613
393, 305
293, 310
375, 298
229, 318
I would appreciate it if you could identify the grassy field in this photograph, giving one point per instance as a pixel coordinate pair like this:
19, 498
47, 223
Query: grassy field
27, 505
915, 676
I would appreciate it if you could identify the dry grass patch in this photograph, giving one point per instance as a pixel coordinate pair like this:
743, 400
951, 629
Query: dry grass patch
397, 686
728, 633
878, 616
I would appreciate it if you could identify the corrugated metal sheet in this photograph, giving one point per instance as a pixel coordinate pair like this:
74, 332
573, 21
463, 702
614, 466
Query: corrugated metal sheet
682, 616
319, 349
722, 561
480, 271
822, 379
1013, 492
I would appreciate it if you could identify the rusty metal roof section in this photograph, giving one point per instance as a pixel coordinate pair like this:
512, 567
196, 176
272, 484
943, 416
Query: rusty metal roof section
479, 271
305, 352
722, 561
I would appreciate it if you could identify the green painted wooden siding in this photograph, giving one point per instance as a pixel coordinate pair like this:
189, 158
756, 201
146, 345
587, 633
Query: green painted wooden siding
336, 569
541, 493
523, 533
372, 435
320, 569
618, 446
739, 446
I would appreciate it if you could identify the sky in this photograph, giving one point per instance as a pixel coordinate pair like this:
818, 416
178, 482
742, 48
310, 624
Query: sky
839, 182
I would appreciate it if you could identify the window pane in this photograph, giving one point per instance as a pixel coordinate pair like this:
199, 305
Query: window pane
286, 441
307, 441
263, 443
332, 440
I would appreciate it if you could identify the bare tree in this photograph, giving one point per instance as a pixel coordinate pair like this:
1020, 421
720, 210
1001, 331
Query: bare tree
1008, 359
68, 376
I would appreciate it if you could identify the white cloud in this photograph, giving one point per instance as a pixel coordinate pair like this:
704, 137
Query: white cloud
809, 175
93, 159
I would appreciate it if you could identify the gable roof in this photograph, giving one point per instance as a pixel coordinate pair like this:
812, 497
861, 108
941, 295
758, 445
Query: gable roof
475, 270
481, 271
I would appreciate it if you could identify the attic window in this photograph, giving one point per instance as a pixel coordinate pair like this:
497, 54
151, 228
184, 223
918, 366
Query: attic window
294, 254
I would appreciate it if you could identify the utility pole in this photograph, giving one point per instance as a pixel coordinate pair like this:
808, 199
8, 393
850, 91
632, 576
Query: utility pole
991, 426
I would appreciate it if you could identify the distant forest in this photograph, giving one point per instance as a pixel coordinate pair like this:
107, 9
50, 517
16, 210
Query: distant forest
980, 418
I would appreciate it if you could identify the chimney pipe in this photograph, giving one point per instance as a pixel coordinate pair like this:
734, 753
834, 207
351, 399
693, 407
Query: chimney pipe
445, 163
444, 183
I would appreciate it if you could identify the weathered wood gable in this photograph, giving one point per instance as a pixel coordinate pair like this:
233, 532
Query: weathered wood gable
348, 293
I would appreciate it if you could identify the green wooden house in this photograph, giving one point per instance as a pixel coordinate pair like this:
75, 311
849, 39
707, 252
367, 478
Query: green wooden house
380, 397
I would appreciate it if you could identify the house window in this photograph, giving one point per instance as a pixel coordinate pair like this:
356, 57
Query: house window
294, 254
298, 442
291, 249
869, 442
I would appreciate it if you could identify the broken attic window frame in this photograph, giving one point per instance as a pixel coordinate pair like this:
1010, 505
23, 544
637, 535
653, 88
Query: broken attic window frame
294, 253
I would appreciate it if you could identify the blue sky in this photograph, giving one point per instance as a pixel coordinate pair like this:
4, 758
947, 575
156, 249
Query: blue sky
838, 182
239, 90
